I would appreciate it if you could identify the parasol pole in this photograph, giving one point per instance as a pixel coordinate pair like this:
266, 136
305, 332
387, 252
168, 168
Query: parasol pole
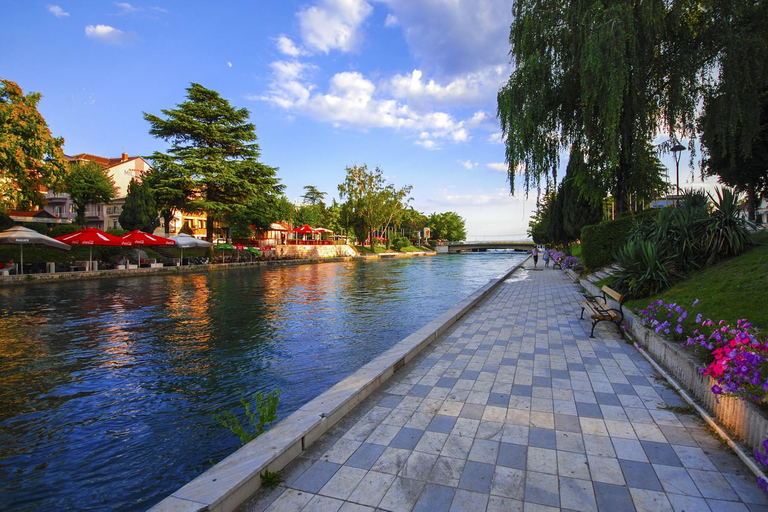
21, 269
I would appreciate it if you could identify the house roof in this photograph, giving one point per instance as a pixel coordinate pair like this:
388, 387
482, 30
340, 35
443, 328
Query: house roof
101, 160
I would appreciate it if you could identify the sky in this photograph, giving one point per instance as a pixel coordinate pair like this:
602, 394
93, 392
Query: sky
408, 86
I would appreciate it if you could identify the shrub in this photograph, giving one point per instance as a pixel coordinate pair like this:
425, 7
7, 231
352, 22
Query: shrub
63, 229
400, 242
264, 415
39, 227
601, 242
727, 231
643, 269
117, 232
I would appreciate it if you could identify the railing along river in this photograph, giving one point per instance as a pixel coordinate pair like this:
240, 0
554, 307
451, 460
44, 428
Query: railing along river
107, 387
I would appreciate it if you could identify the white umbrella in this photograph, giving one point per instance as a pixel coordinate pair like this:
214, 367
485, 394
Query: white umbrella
25, 236
186, 241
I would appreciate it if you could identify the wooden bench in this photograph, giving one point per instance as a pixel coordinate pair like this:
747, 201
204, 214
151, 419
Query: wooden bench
599, 310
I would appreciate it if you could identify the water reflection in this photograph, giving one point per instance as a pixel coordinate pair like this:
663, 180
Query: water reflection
107, 387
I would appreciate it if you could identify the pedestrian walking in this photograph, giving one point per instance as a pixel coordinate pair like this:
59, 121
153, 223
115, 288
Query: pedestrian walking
535, 254
545, 257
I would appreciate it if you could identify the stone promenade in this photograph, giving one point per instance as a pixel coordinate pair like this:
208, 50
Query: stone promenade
516, 408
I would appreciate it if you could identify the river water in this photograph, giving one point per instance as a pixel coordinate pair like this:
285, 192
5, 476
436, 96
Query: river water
107, 387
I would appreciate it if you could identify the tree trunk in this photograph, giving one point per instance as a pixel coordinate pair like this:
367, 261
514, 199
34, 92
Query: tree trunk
167, 216
209, 228
751, 200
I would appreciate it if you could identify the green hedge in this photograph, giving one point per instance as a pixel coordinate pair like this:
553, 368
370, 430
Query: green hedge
601, 242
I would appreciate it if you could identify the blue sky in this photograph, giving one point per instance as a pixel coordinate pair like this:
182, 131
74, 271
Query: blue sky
406, 85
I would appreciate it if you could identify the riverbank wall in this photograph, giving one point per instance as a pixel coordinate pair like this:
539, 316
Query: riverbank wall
232, 481
287, 259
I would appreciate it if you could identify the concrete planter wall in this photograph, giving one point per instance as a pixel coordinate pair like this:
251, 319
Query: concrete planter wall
743, 419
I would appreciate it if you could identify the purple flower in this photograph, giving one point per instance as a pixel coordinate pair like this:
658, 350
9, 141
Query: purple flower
717, 390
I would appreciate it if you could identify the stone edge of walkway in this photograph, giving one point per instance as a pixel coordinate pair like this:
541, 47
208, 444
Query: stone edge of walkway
232, 481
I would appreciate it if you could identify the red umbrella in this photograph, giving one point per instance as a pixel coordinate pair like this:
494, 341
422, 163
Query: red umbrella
141, 238
304, 230
91, 237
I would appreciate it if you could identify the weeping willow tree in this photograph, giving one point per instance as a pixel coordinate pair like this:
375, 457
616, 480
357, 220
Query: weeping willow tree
601, 79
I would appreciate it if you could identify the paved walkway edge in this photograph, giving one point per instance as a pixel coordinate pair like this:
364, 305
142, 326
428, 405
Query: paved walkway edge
754, 418
232, 481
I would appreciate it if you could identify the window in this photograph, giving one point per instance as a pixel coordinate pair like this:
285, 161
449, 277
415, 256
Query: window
57, 211
72, 208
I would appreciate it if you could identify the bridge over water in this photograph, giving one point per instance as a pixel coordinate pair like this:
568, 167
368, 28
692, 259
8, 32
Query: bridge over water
456, 247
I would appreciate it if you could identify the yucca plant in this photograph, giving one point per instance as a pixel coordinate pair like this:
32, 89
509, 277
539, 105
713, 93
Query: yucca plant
727, 230
644, 270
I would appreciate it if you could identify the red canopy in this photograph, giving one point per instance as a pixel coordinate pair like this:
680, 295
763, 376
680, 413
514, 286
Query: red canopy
93, 236
323, 230
239, 247
141, 238
305, 229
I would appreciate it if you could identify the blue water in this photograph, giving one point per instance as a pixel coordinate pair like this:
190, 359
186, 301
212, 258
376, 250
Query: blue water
107, 387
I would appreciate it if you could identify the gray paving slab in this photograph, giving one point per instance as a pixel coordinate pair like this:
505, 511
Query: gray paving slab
516, 408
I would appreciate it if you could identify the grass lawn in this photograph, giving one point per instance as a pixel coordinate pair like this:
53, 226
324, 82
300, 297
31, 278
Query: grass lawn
411, 248
729, 290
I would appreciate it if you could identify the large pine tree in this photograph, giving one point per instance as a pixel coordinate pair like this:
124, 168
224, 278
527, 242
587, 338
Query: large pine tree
215, 145
140, 210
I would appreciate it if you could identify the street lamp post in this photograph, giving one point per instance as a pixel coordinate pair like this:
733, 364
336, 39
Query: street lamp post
677, 150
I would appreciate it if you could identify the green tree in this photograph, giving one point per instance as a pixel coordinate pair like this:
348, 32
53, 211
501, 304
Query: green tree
364, 194
538, 226
603, 79
87, 183
172, 189
139, 210
215, 145
579, 208
31, 159
310, 214
746, 170
447, 226
312, 195
413, 222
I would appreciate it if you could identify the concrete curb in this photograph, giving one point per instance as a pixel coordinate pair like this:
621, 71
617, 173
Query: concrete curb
232, 481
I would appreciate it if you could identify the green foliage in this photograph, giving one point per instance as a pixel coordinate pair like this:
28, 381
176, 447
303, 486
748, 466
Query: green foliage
214, 151
258, 420
644, 271
117, 232
310, 215
140, 210
5, 221
187, 229
727, 231
725, 154
447, 226
270, 479
39, 227
87, 183
31, 159
400, 242
171, 187
601, 242
63, 229
312, 195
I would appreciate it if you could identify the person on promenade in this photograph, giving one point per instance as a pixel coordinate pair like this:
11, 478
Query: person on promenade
535, 254
546, 257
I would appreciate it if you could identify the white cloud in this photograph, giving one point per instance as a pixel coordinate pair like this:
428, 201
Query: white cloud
160, 10
498, 166
57, 11
497, 138
466, 89
109, 35
126, 8
453, 38
333, 24
391, 21
287, 47
468, 165
229, 64
353, 101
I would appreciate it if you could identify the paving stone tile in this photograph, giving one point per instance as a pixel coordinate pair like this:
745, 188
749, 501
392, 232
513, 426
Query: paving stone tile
572, 465
640, 475
688, 503
542, 438
514, 433
468, 501
711, 484
341, 451
522, 390
418, 466
420, 420
402, 495
650, 501
500, 504
472, 411
728, 506
354, 507
446, 382
508, 482
314, 478
477, 476
588, 410
465, 427
676, 480
693, 457
605, 469
391, 461
390, 401
629, 449
513, 455
431, 442
343, 482
745, 487
383, 434
435, 498
542, 489
291, 500
577, 495
457, 447
490, 430
569, 441
360, 431
661, 453
420, 390
442, 424
612, 498
484, 451
542, 460
499, 400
